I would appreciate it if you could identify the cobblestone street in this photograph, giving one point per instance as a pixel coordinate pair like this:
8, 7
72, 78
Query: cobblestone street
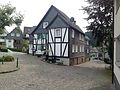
35, 74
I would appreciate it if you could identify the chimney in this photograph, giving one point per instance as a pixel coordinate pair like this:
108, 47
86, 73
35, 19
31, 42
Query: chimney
72, 20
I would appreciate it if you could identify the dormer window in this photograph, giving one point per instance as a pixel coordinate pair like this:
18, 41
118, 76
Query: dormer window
12, 34
45, 24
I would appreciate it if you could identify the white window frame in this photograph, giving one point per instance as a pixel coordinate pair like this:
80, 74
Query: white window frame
12, 34
17, 34
87, 50
87, 42
35, 36
80, 48
76, 49
83, 49
27, 35
45, 24
73, 33
73, 48
80, 36
58, 32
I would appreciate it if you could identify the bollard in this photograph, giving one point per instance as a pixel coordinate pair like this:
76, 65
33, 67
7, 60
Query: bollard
3, 60
17, 63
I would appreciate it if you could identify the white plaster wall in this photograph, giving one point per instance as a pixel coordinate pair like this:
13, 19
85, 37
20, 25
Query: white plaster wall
116, 33
116, 22
9, 44
30, 48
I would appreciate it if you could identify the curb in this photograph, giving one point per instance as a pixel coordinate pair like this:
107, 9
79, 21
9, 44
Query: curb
3, 72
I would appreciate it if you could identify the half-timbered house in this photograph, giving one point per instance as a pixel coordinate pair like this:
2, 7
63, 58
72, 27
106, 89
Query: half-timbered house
60, 37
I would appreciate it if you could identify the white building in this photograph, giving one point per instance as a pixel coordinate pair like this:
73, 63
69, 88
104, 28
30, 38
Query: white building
116, 76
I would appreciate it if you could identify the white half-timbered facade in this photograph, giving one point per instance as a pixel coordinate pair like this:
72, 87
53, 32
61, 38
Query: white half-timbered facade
58, 42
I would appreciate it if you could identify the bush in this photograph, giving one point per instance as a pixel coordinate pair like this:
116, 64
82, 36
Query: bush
7, 58
14, 49
107, 61
3, 50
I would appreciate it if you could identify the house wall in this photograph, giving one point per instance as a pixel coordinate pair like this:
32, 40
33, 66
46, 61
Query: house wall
116, 44
58, 46
10, 44
30, 48
76, 57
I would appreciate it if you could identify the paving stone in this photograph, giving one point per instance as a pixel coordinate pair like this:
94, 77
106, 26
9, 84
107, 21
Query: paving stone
35, 74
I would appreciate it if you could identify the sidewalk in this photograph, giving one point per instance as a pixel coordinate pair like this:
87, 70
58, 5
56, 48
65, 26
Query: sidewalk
8, 67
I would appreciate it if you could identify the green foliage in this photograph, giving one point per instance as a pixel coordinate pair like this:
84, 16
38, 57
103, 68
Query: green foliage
7, 58
9, 16
100, 18
3, 50
14, 49
25, 43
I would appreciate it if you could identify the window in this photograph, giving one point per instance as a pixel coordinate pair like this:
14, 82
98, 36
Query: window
9, 40
76, 48
82, 37
38, 47
27, 35
87, 42
17, 34
117, 5
58, 32
73, 33
79, 36
73, 48
9, 46
35, 36
80, 49
45, 24
87, 50
12, 34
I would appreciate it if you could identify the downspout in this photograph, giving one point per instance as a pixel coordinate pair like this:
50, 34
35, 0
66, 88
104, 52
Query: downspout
113, 48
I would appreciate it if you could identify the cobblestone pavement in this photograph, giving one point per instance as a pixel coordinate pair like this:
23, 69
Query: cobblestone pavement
35, 74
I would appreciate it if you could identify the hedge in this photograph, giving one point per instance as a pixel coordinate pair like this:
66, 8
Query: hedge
3, 50
14, 49
7, 58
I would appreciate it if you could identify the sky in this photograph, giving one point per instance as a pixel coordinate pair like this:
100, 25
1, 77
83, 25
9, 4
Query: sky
34, 10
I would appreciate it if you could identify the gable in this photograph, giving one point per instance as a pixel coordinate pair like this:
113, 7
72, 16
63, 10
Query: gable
57, 22
49, 16
15, 37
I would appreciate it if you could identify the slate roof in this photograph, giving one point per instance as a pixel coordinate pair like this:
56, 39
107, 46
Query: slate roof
67, 20
15, 37
29, 30
63, 16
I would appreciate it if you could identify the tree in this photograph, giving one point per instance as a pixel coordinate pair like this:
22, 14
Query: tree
9, 16
100, 18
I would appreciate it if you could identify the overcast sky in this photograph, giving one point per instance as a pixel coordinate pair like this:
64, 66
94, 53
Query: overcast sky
34, 10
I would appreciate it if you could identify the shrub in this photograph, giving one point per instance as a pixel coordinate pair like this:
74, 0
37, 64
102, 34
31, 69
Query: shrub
107, 61
14, 49
3, 50
8, 58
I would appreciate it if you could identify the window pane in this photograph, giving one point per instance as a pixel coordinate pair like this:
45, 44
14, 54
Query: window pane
73, 32
18, 35
58, 32
12, 34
